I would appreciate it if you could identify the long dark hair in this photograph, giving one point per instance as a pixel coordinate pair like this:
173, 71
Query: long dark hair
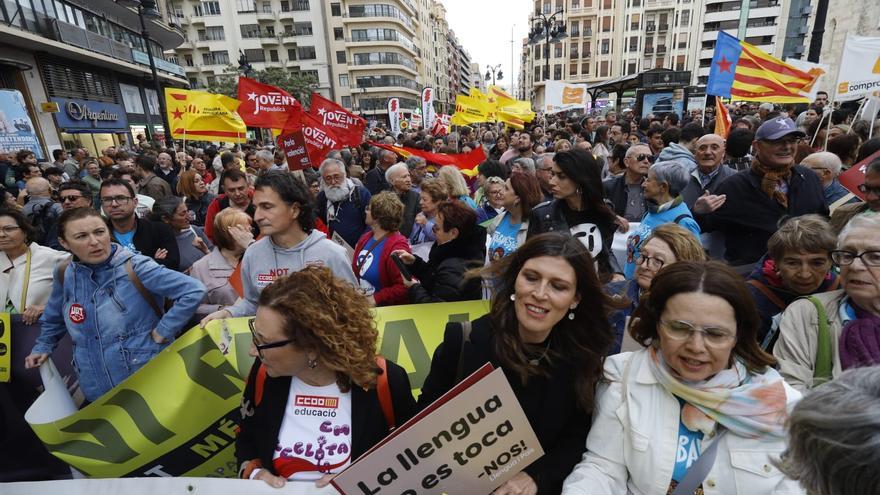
581, 342
582, 168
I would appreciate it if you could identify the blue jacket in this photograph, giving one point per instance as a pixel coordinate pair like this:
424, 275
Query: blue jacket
109, 321
350, 220
677, 213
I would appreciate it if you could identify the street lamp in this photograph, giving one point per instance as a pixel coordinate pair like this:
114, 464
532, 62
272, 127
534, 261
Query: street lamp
147, 8
244, 66
493, 73
548, 29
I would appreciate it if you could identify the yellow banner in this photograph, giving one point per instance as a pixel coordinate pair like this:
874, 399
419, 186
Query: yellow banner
198, 115
177, 416
5, 348
470, 110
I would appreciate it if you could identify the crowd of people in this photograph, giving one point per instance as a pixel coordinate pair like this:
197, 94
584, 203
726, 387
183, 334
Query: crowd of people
676, 364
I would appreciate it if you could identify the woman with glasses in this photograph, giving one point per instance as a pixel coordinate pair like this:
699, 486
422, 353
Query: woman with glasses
434, 193
25, 267
314, 337
829, 333
192, 187
493, 201
700, 408
110, 301
664, 204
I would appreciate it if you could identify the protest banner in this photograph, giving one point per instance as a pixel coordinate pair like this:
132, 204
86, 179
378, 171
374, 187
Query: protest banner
5, 352
293, 144
265, 106
563, 96
167, 486
471, 440
16, 129
855, 176
177, 416
429, 115
346, 125
859, 72
394, 115
320, 140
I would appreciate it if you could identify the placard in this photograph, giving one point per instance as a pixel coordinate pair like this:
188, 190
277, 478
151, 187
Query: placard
293, 144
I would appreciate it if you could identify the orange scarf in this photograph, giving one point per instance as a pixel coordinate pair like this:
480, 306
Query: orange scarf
771, 179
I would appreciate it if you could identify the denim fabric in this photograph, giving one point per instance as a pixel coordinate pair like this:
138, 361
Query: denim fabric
111, 339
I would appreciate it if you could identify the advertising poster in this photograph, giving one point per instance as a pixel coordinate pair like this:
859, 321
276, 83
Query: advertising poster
16, 129
663, 102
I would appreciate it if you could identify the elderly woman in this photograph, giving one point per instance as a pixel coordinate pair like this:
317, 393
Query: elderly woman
797, 264
109, 300
232, 233
547, 332
508, 230
434, 193
833, 445
523, 164
493, 200
667, 244
664, 204
699, 407
26, 268
379, 277
192, 242
831, 332
313, 335
456, 187
192, 187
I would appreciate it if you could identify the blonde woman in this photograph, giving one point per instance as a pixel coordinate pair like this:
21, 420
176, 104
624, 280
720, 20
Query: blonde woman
456, 185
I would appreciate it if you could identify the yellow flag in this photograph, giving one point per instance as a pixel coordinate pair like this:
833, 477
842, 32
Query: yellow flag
204, 116
470, 110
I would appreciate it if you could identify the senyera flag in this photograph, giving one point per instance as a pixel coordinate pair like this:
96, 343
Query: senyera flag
265, 106
346, 125
466, 162
320, 139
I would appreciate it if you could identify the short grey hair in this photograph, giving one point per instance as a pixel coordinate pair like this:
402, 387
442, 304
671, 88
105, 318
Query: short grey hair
385, 153
834, 436
414, 161
865, 221
543, 156
527, 164
673, 174
632, 150
332, 161
826, 159
397, 167
266, 155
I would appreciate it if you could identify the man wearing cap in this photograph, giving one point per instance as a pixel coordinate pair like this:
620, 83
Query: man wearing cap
747, 206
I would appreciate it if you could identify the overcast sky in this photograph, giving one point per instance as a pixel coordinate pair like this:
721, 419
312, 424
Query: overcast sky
483, 27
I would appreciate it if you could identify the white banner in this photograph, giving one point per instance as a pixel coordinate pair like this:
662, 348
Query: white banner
394, 116
428, 113
166, 486
811, 68
562, 96
859, 68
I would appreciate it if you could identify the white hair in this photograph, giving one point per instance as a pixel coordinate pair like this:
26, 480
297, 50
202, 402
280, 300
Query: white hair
866, 221
265, 155
397, 167
332, 161
826, 159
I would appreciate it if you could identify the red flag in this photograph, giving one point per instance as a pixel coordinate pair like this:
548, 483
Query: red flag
855, 176
265, 106
235, 280
466, 162
722, 118
348, 126
320, 140
295, 150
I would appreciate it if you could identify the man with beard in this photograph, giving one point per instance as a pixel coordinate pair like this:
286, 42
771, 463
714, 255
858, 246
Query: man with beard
342, 204
401, 184
237, 194
748, 205
522, 147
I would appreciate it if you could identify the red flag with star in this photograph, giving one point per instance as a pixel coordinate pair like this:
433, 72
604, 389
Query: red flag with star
265, 106
346, 125
320, 139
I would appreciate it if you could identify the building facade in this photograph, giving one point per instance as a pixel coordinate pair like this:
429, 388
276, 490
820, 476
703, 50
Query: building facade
840, 23
79, 71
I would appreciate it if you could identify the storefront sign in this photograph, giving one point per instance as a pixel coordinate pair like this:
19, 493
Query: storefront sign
161, 64
16, 129
50, 107
85, 115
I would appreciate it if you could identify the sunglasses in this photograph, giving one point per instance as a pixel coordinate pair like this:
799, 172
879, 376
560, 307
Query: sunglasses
642, 157
69, 198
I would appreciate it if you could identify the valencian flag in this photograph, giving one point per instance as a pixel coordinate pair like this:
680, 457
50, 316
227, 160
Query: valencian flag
204, 116
348, 127
741, 71
263, 105
466, 162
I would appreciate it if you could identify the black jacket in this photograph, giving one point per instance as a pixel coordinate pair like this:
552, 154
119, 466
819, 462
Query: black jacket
258, 434
549, 217
749, 216
149, 236
442, 276
375, 181
550, 403
694, 189
411, 208
616, 193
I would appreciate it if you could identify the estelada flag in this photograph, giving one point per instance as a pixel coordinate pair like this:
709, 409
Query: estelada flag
320, 140
346, 125
263, 105
466, 162
198, 115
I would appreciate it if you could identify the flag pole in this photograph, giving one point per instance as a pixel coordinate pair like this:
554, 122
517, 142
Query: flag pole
833, 93
703, 113
855, 115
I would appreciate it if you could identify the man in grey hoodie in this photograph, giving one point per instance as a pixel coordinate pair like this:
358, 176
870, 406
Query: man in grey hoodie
290, 242
683, 150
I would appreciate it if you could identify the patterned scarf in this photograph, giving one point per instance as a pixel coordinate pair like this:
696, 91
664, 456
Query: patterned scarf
860, 340
748, 405
770, 181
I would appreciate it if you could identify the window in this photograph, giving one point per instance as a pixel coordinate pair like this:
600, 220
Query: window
679, 62
682, 40
273, 55
285, 6
607, 4
604, 68
335, 10
346, 101
631, 68
575, 29
386, 81
291, 54
634, 43
379, 10
634, 22
188, 60
606, 24
250, 31
216, 58
343, 80
383, 58
340, 57
245, 6
585, 69
300, 5
267, 7
586, 49
206, 8
605, 47
557, 72
557, 50
573, 51
255, 55
685, 18
306, 52
213, 33
572, 70
537, 74
338, 34
302, 28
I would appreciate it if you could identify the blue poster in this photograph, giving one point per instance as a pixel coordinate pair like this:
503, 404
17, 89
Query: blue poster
16, 129
662, 103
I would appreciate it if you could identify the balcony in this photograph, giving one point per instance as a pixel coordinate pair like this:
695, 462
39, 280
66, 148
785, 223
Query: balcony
650, 28
661, 50
270, 39
664, 27
196, 20
286, 14
186, 45
649, 50
267, 16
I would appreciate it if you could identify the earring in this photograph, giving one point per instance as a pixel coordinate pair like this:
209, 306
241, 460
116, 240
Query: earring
571, 313
513, 297
312, 364
578, 191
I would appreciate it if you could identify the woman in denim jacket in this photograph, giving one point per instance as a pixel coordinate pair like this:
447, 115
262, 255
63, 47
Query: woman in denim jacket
114, 329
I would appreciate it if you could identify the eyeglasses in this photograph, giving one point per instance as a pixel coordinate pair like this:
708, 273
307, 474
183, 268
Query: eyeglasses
9, 229
653, 263
846, 258
263, 347
783, 141
120, 200
866, 189
642, 156
72, 198
681, 331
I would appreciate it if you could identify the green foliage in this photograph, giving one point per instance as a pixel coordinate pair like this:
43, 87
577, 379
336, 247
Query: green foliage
298, 84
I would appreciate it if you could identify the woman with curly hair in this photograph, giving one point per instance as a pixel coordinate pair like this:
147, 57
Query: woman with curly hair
313, 402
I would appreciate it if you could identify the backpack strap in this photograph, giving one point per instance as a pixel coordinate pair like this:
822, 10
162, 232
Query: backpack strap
767, 292
465, 338
383, 390
824, 365
129, 269
681, 217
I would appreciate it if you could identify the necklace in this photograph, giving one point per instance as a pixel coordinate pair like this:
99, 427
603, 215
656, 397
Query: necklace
535, 361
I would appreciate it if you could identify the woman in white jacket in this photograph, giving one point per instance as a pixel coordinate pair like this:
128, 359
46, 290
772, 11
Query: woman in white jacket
701, 388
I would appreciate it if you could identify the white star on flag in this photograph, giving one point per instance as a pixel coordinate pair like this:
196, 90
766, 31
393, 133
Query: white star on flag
322, 111
252, 96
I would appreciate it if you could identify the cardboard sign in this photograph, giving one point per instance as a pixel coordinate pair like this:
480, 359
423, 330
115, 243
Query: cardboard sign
471, 440
293, 144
